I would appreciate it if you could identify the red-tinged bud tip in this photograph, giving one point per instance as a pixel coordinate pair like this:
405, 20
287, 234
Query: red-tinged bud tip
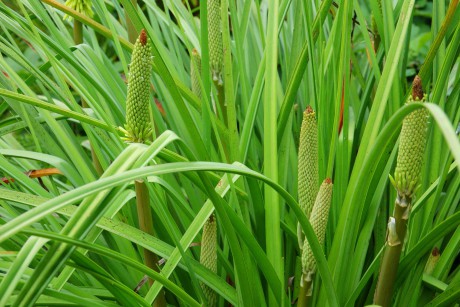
309, 110
143, 37
435, 252
417, 90
328, 180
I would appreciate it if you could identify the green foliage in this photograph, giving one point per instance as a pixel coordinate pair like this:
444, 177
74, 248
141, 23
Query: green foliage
73, 237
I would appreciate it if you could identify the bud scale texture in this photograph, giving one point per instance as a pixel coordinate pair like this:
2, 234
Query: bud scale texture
411, 146
138, 126
215, 40
308, 162
208, 256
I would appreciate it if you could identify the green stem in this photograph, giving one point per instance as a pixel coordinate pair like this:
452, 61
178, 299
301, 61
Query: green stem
144, 215
132, 33
395, 240
304, 299
77, 32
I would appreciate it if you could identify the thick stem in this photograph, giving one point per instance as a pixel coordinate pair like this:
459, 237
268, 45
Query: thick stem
397, 228
132, 33
144, 215
304, 299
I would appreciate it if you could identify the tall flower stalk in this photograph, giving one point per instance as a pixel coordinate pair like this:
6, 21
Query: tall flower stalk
138, 129
406, 178
308, 182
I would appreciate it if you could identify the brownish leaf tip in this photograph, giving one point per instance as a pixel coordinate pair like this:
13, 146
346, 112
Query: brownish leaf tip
309, 110
435, 252
417, 90
143, 37
211, 218
195, 52
328, 180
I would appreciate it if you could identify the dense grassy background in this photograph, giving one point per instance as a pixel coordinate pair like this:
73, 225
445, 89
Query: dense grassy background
279, 57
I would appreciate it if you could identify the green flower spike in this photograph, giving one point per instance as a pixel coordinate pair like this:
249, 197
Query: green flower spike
411, 147
215, 40
318, 219
138, 128
307, 166
208, 256
308, 162
407, 175
195, 72
81, 6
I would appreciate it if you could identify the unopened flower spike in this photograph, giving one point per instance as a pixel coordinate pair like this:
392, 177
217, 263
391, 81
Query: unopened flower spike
308, 162
81, 6
318, 219
138, 128
307, 166
208, 256
411, 146
215, 40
